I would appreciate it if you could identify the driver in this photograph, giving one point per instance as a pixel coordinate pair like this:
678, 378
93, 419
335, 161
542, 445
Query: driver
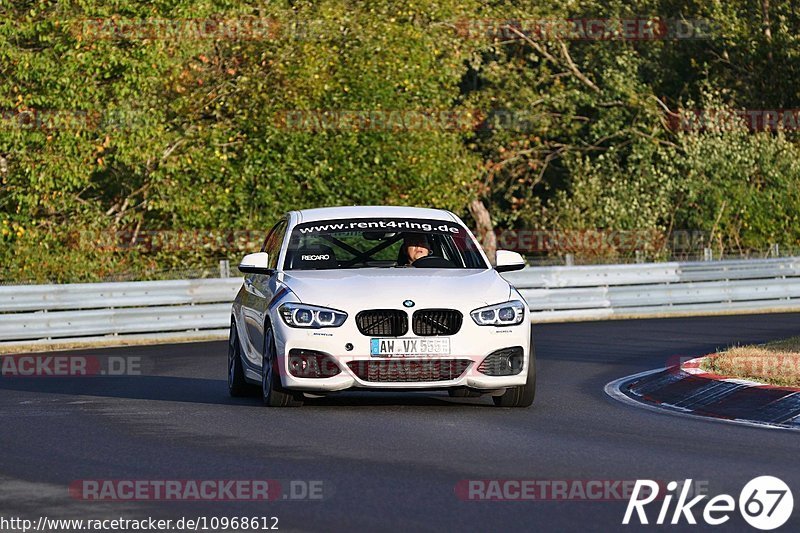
416, 246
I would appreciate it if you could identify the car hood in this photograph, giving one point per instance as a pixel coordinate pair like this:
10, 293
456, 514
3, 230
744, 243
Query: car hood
390, 287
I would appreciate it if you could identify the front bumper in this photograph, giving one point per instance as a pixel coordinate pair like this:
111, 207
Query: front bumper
472, 344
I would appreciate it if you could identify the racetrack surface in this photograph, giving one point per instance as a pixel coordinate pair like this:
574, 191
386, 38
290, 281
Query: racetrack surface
387, 461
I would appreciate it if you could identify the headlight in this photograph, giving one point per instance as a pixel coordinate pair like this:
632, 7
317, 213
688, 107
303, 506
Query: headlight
310, 316
505, 314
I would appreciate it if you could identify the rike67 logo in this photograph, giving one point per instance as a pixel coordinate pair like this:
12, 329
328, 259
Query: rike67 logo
765, 503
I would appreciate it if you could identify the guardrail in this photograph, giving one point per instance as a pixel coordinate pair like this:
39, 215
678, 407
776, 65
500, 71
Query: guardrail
36, 312
659, 289
30, 312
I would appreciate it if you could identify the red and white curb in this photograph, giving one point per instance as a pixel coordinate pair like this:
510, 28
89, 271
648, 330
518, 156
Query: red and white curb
688, 390
695, 368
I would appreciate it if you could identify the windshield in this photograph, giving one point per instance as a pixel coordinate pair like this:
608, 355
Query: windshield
381, 243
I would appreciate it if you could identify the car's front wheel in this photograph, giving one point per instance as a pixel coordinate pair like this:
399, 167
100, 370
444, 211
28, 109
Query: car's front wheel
271, 391
237, 385
520, 396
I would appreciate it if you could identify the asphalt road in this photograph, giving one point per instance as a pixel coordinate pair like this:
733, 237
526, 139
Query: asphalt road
386, 462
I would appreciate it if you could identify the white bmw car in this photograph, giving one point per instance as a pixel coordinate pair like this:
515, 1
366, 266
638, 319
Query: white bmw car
378, 298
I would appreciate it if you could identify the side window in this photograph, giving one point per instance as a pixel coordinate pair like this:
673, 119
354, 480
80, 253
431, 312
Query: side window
272, 244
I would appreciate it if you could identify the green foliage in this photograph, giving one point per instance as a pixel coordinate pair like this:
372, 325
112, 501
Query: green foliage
743, 189
137, 133
599, 150
186, 133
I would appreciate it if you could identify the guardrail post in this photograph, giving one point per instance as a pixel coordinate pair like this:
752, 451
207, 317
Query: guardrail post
224, 268
774, 250
569, 260
708, 255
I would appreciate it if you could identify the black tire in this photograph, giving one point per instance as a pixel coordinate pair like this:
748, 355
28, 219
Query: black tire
237, 385
520, 396
272, 393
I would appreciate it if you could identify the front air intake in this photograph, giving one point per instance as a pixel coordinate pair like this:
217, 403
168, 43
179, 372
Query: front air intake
409, 370
311, 364
382, 322
505, 362
431, 322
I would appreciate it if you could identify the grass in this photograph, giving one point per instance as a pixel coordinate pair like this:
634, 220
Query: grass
775, 363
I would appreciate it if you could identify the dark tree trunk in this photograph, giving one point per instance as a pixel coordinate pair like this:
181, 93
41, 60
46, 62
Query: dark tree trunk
484, 227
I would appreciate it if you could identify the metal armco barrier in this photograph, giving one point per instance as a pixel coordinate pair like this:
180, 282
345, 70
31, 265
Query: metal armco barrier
34, 312
31, 312
659, 289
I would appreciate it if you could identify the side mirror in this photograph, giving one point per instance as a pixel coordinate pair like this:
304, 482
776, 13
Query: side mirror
257, 263
506, 261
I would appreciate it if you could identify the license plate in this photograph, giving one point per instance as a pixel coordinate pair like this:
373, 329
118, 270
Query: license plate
409, 346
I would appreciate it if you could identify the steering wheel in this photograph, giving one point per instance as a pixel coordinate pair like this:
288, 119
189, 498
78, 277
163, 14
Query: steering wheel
432, 261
